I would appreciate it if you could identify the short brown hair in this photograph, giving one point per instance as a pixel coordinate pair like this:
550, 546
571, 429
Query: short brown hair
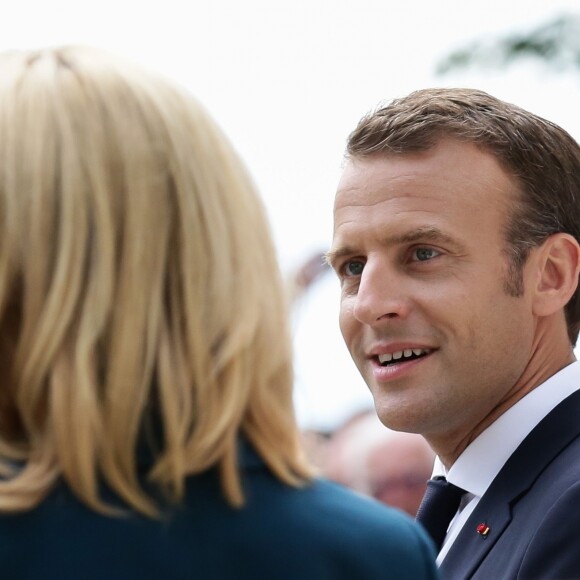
543, 158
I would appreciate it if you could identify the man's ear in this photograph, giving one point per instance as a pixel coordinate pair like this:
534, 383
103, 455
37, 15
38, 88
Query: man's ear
556, 270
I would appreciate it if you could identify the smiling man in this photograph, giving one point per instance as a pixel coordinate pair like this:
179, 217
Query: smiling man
456, 242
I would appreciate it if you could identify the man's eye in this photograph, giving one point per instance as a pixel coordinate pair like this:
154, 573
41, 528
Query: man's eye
353, 268
424, 254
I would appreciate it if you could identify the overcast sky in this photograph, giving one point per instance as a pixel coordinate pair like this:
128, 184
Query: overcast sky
288, 82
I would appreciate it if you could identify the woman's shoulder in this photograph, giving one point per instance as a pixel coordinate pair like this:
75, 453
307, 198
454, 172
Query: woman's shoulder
330, 500
333, 515
362, 535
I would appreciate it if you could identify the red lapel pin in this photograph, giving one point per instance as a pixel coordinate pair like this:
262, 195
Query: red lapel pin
482, 529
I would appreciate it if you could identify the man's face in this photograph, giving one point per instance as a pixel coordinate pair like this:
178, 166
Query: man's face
419, 248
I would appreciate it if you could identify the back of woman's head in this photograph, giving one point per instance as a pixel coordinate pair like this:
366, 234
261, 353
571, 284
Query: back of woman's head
138, 285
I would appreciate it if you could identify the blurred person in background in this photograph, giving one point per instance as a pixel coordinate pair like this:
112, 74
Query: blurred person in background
397, 468
146, 421
391, 466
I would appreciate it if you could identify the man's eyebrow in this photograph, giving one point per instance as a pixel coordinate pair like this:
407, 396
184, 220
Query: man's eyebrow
333, 256
421, 234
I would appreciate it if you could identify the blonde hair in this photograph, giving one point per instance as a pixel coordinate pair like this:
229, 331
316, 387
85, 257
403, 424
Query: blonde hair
137, 280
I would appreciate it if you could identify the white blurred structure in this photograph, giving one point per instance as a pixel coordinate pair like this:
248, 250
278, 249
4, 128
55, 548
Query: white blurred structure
328, 386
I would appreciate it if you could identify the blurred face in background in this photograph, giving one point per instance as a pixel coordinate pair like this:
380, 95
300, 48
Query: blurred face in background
397, 469
393, 467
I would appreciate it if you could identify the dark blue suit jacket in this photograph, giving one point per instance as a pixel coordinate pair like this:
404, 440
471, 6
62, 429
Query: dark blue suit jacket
320, 532
532, 509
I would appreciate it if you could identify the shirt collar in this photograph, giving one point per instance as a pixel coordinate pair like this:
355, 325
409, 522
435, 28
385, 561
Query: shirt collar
498, 442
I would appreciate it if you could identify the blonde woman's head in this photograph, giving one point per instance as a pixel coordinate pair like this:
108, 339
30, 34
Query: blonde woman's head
138, 287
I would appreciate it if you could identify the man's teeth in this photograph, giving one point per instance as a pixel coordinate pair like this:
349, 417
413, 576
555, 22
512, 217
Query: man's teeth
402, 354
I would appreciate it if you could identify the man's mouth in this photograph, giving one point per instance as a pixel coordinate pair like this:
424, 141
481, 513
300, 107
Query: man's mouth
402, 356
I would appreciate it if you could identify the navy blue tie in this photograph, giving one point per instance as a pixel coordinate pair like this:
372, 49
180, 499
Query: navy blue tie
440, 503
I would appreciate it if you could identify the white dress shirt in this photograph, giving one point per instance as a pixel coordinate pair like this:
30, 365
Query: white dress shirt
483, 458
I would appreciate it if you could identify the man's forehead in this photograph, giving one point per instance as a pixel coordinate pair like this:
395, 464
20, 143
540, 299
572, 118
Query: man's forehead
452, 171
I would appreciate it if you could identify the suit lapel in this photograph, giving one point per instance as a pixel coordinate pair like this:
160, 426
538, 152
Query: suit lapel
536, 451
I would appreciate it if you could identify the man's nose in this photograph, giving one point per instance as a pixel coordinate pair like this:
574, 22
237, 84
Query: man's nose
382, 295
